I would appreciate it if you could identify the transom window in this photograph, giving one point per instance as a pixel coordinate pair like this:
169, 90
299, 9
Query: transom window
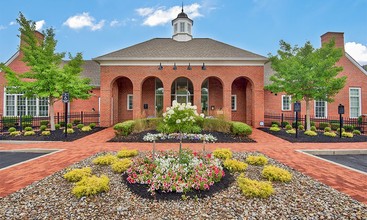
320, 109
355, 102
17, 104
286, 103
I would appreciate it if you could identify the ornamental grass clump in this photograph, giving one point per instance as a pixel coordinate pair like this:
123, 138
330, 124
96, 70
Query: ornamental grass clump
86, 128
69, 131
76, 175
254, 188
169, 172
107, 159
46, 133
80, 126
127, 153
292, 131
310, 133
234, 165
222, 153
15, 133
257, 160
327, 129
274, 173
121, 165
357, 132
12, 129
275, 129
347, 134
329, 134
92, 185
29, 133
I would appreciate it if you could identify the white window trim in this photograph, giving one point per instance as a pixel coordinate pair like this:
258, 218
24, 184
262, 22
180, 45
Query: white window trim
235, 102
16, 105
314, 109
290, 103
360, 102
127, 101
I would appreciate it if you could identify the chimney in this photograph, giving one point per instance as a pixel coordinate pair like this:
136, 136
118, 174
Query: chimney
38, 35
337, 36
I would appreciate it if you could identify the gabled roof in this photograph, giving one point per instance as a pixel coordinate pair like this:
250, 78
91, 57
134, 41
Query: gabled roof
169, 49
91, 70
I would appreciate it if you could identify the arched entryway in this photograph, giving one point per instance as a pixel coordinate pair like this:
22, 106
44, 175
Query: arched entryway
152, 97
212, 96
122, 100
241, 100
182, 90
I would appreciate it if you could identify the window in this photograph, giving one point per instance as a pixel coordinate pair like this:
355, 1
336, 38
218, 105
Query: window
182, 26
286, 103
320, 109
234, 102
17, 104
129, 102
175, 28
354, 102
189, 28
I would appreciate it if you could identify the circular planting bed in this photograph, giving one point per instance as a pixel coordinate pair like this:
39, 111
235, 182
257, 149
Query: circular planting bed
300, 198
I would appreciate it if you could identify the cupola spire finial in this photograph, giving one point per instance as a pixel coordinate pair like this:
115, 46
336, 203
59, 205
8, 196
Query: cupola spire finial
182, 7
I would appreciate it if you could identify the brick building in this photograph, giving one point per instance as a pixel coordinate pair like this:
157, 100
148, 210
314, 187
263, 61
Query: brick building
142, 80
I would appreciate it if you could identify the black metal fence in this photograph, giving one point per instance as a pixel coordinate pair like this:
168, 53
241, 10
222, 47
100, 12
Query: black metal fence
291, 118
20, 122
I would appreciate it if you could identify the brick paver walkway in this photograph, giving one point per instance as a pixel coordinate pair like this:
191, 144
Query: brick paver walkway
345, 180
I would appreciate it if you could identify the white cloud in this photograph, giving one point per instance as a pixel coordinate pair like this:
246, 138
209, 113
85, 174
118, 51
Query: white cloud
161, 15
80, 21
39, 24
115, 23
357, 51
12, 23
2, 27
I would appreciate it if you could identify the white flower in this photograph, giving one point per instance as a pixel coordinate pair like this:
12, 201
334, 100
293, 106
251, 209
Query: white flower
167, 109
164, 114
201, 115
194, 107
178, 121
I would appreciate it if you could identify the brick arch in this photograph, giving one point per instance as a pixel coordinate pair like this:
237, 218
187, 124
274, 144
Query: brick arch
121, 87
215, 96
243, 90
150, 104
177, 88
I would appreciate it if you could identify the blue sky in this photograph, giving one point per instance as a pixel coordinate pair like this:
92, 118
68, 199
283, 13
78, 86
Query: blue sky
96, 27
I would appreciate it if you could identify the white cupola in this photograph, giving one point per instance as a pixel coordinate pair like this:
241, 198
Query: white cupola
182, 27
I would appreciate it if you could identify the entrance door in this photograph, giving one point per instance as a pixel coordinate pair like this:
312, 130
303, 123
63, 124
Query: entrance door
181, 99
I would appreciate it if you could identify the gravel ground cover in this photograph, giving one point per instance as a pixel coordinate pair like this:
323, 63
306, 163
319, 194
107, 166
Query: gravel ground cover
56, 135
320, 138
222, 138
302, 198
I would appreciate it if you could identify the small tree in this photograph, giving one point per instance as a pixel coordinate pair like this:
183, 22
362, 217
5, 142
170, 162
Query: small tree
181, 118
46, 77
306, 73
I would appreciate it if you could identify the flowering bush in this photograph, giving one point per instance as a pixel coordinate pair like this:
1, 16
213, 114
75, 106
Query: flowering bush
181, 117
169, 173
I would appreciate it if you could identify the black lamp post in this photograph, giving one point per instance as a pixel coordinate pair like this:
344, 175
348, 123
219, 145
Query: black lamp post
297, 108
340, 112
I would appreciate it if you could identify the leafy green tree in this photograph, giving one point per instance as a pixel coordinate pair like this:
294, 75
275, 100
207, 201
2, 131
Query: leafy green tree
306, 73
48, 76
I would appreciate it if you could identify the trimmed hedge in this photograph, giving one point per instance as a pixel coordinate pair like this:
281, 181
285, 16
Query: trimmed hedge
323, 125
240, 128
124, 128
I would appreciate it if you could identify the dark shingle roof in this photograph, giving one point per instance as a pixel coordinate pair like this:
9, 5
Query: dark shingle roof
91, 70
167, 48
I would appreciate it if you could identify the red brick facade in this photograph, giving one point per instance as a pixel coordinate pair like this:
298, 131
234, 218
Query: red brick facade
356, 78
246, 82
